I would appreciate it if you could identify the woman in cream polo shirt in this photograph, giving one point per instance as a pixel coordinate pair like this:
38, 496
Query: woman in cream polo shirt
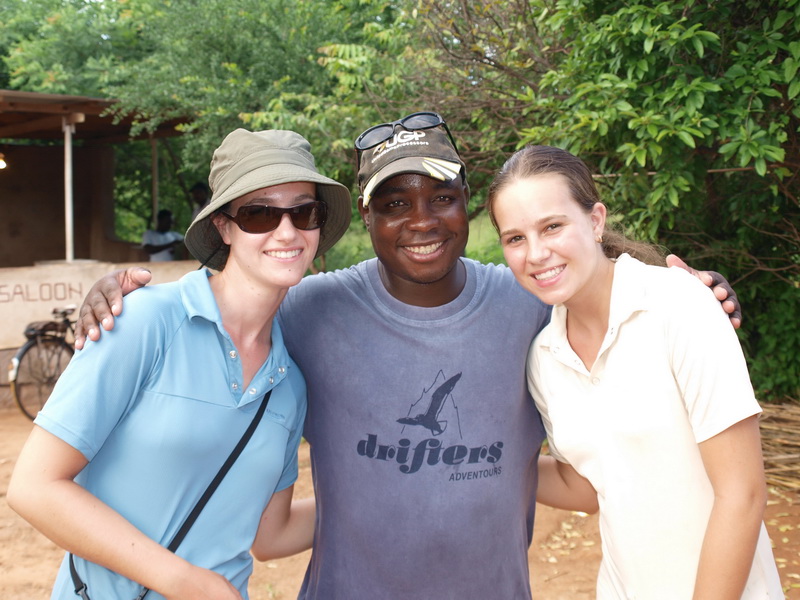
644, 393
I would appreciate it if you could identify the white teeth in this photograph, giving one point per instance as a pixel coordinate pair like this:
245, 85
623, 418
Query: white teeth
430, 248
548, 274
284, 253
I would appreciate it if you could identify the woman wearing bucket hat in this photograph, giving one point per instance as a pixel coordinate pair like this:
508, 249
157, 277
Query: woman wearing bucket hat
116, 462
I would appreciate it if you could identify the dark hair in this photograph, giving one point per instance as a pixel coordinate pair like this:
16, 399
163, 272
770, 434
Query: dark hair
542, 160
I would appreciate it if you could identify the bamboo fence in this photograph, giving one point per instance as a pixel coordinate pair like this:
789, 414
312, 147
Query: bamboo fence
780, 439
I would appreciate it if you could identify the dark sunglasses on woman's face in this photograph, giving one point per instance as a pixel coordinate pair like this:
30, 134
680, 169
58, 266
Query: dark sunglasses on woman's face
259, 218
413, 122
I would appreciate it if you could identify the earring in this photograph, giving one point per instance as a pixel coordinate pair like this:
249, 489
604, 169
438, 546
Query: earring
599, 239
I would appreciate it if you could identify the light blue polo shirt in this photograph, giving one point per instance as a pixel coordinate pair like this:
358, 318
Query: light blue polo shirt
156, 408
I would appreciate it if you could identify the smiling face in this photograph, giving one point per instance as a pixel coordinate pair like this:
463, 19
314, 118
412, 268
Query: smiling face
419, 228
549, 241
277, 258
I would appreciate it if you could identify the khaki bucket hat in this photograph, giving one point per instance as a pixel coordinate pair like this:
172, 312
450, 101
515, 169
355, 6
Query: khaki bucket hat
251, 160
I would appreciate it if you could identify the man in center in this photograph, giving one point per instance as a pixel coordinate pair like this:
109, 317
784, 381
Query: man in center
423, 436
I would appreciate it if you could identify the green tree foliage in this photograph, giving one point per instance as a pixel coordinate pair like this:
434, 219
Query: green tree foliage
695, 106
239, 63
217, 64
79, 47
687, 109
690, 111
65, 46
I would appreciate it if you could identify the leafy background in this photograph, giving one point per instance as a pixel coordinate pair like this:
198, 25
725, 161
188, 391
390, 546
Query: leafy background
685, 109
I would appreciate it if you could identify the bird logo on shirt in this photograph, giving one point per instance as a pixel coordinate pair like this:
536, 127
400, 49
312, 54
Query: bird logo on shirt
430, 418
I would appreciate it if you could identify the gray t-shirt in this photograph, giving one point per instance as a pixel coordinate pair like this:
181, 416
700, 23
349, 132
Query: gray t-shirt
423, 436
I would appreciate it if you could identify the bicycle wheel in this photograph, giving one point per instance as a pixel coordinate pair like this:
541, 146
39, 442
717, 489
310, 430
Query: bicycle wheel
40, 363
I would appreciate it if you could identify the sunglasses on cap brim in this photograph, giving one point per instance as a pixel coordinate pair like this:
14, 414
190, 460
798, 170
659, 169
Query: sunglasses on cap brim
259, 218
413, 122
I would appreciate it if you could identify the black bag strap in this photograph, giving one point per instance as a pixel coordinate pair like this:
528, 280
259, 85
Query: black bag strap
80, 586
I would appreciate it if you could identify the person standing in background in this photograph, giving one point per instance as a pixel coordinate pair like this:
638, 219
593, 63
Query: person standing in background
160, 243
199, 197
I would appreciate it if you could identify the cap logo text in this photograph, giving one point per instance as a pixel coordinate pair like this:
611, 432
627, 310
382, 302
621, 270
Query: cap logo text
401, 137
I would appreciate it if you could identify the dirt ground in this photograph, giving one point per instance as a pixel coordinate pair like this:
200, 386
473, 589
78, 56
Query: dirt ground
563, 557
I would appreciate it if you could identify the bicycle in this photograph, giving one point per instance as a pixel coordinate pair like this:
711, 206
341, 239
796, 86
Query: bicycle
39, 362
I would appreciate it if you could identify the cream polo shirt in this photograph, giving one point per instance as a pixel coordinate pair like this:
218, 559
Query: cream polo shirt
669, 375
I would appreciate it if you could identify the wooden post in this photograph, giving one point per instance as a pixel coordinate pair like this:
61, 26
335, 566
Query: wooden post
68, 126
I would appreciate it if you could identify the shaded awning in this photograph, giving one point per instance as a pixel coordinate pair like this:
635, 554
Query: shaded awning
34, 116
51, 117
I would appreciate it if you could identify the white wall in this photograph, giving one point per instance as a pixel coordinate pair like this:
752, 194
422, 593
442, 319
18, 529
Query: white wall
30, 293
